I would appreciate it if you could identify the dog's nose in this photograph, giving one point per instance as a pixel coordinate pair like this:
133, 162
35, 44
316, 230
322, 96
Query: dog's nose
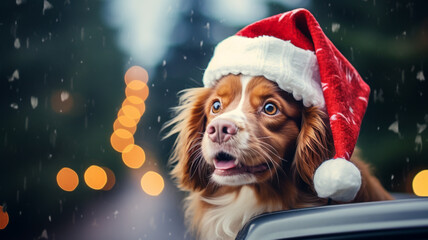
221, 130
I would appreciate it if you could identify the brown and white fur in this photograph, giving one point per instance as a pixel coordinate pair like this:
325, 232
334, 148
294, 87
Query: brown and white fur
240, 158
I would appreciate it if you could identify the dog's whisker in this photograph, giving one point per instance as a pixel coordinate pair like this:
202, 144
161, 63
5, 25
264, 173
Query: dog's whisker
270, 159
271, 149
192, 166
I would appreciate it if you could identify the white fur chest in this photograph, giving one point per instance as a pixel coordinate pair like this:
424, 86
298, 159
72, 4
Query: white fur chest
229, 214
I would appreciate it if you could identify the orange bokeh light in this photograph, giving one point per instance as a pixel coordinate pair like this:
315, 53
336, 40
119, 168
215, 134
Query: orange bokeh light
420, 184
111, 179
67, 179
133, 156
120, 139
124, 122
138, 89
4, 218
130, 112
95, 177
136, 73
135, 102
152, 183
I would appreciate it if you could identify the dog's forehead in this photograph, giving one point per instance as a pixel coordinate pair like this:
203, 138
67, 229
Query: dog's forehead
238, 92
237, 84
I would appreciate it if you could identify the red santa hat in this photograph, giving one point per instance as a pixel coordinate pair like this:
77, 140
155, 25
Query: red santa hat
292, 50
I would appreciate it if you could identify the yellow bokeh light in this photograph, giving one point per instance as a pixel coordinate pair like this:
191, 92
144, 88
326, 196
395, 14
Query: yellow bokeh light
135, 102
95, 177
138, 89
420, 184
152, 183
130, 112
4, 218
120, 139
124, 122
136, 73
111, 179
133, 156
67, 179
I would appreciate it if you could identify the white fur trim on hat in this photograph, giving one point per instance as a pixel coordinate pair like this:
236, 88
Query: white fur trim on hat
338, 179
294, 70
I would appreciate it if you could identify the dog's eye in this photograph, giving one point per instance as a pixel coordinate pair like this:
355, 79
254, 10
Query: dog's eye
270, 109
216, 107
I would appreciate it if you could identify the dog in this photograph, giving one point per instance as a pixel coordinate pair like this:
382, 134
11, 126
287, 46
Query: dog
273, 129
246, 147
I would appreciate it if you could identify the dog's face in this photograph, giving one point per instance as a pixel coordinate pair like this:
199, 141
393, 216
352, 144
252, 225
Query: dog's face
251, 129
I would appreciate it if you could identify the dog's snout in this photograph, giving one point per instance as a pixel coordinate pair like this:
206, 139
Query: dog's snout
221, 130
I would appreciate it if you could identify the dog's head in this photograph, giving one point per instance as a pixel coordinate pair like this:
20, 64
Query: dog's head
246, 130
251, 128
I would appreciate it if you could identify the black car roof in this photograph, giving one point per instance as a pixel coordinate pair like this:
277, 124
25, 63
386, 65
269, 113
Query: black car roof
339, 219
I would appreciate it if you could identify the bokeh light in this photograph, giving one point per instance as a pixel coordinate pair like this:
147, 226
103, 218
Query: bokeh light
67, 179
124, 122
111, 179
62, 101
95, 177
420, 184
138, 89
136, 73
120, 139
133, 156
152, 183
130, 112
4, 218
135, 102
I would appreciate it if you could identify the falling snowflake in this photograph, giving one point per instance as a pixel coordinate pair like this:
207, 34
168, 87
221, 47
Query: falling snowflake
17, 43
14, 105
418, 143
46, 6
64, 96
34, 102
15, 75
378, 96
335, 27
421, 127
420, 76
394, 127
44, 234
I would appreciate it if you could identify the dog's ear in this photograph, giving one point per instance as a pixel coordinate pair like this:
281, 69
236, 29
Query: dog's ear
314, 145
190, 171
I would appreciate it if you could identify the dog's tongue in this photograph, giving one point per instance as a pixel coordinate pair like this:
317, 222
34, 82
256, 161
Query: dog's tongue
224, 165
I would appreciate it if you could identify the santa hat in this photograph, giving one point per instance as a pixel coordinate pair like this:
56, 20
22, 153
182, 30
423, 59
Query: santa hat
291, 50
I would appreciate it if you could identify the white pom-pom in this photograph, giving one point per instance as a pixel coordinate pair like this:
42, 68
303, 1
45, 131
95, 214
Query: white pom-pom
338, 179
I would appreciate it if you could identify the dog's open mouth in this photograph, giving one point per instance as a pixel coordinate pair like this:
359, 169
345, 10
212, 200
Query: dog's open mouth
225, 165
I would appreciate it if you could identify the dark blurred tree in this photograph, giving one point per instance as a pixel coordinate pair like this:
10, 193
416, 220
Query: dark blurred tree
56, 47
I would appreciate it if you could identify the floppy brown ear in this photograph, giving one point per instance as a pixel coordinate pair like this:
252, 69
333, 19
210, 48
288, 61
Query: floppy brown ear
314, 145
190, 170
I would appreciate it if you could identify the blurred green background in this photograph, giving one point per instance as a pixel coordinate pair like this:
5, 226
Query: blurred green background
83, 48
